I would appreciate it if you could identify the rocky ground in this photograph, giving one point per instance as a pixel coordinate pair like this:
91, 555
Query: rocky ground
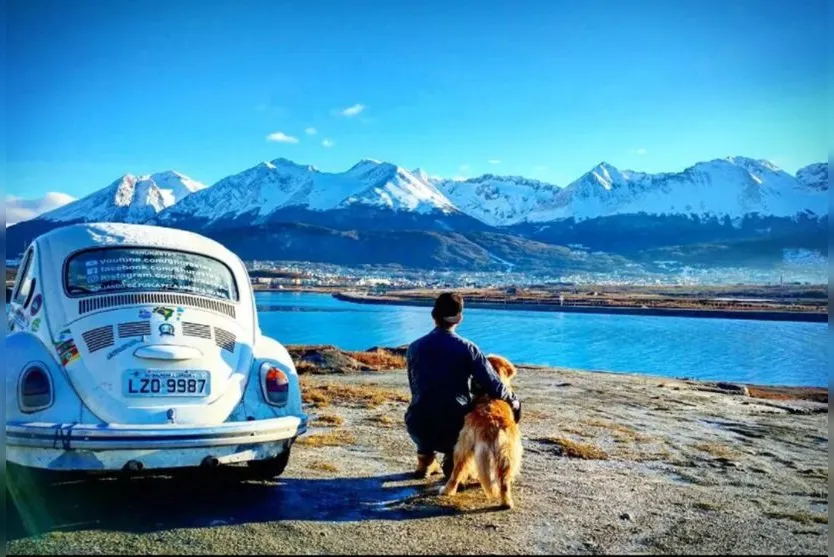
612, 464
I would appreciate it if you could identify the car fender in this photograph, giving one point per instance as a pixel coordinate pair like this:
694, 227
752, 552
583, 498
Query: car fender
254, 405
23, 350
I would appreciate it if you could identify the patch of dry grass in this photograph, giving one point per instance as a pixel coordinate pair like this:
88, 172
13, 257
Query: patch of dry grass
363, 396
574, 449
717, 450
380, 359
621, 433
327, 420
704, 506
574, 430
335, 438
801, 516
818, 394
383, 420
324, 466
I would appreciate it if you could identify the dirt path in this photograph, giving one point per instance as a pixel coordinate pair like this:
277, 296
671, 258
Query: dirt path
680, 469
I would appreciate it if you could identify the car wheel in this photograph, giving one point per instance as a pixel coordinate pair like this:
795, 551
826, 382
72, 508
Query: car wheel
270, 467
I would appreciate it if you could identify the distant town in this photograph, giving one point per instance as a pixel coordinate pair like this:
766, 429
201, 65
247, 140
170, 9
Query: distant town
295, 275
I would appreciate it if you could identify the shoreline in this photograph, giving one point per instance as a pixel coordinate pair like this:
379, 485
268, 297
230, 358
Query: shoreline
332, 359
762, 315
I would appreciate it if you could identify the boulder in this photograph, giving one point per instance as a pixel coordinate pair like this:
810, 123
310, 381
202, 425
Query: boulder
733, 388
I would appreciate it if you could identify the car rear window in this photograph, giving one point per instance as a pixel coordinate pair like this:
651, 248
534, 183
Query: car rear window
105, 270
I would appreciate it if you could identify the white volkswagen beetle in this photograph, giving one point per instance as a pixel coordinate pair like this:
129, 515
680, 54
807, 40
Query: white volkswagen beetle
138, 347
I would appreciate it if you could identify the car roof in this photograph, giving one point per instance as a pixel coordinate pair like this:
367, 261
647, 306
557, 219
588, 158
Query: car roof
54, 247
67, 239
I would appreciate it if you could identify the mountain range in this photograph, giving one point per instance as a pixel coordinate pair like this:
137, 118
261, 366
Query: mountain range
734, 210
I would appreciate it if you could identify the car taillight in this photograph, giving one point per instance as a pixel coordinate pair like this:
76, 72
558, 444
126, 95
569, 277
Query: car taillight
276, 386
35, 390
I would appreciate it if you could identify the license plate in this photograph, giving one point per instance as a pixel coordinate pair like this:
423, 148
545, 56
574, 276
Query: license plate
146, 382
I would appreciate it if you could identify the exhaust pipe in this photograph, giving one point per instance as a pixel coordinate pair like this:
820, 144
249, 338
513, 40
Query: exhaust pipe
210, 462
133, 466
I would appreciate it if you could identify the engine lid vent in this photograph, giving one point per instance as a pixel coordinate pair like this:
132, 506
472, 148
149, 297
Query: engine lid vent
196, 330
99, 338
224, 339
134, 329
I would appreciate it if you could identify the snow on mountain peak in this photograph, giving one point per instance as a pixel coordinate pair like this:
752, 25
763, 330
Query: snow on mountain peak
282, 184
731, 186
498, 200
421, 174
286, 164
814, 176
607, 175
364, 165
129, 199
754, 165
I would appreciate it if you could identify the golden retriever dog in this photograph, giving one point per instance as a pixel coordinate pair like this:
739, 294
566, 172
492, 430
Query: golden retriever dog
490, 442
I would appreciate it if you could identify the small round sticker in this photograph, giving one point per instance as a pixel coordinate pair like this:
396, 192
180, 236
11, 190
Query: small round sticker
36, 305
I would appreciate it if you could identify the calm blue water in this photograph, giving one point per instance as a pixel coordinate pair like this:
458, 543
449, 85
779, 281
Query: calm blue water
763, 352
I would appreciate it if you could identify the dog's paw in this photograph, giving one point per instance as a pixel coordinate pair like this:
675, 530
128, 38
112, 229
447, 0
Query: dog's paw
446, 490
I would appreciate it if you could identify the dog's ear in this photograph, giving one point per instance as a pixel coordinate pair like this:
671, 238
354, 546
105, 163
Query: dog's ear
502, 366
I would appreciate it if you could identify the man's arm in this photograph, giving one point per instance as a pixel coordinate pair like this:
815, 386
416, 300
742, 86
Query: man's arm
408, 367
486, 377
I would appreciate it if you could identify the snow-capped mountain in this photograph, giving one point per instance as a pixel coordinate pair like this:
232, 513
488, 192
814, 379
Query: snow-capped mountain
377, 212
734, 187
814, 176
260, 191
129, 199
499, 200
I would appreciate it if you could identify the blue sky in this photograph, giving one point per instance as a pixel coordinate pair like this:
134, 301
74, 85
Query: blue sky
98, 89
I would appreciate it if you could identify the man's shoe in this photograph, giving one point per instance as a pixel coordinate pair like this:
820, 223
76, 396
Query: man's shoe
426, 466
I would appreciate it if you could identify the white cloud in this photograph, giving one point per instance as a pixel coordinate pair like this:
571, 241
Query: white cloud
463, 167
19, 209
459, 178
540, 168
494, 161
640, 151
281, 137
311, 131
353, 110
327, 143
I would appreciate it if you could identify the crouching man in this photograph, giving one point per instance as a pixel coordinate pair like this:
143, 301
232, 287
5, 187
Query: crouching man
441, 370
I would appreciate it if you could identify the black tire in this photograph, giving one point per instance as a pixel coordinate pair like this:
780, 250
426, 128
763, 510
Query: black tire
270, 467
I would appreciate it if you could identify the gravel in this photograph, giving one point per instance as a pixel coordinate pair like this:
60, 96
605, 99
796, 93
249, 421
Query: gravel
688, 471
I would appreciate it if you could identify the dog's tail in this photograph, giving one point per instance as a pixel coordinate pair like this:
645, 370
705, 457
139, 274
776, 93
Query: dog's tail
485, 459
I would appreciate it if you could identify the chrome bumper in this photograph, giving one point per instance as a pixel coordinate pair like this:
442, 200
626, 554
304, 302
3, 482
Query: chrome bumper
89, 437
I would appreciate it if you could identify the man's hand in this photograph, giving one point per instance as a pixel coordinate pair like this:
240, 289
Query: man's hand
516, 406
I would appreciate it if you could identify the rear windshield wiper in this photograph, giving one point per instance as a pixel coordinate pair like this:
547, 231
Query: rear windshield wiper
75, 289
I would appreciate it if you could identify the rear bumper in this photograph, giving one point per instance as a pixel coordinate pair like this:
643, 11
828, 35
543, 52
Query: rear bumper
110, 447
140, 437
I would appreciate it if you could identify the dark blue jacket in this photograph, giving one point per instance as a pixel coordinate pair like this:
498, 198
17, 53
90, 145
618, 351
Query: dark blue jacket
441, 366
